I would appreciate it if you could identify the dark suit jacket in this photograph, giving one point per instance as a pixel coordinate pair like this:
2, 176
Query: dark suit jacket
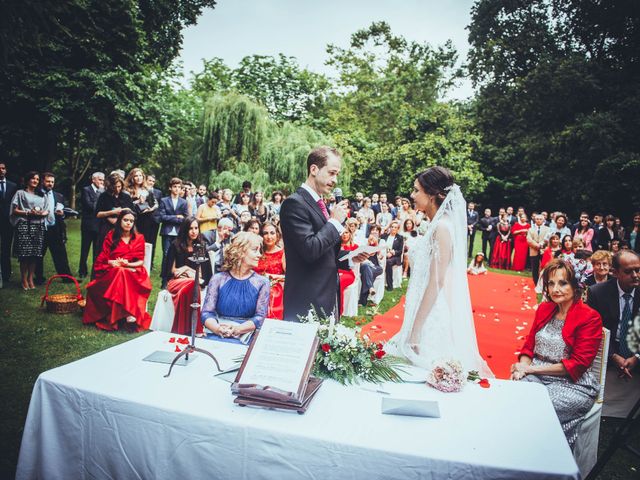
603, 238
169, 217
311, 246
483, 225
472, 218
398, 245
5, 202
604, 298
88, 200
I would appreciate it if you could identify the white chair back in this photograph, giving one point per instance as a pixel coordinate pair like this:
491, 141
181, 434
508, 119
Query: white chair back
600, 363
148, 253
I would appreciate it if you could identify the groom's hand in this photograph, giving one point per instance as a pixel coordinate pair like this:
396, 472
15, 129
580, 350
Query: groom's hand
362, 257
339, 211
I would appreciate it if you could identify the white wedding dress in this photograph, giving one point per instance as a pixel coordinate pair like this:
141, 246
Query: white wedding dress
438, 321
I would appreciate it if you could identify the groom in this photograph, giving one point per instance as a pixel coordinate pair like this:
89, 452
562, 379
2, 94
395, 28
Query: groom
312, 239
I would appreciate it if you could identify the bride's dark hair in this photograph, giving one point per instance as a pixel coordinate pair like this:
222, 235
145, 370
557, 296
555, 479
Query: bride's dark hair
434, 181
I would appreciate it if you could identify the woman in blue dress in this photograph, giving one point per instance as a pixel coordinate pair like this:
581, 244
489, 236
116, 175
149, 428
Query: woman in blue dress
237, 298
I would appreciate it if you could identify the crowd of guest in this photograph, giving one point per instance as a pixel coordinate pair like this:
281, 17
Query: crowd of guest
241, 280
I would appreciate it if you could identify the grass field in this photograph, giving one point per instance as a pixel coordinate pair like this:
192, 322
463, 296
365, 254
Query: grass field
34, 341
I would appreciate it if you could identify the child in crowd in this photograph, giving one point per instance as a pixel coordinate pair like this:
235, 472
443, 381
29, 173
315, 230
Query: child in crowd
476, 266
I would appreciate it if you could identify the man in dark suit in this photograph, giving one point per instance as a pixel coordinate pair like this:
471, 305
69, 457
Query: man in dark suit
312, 239
618, 300
7, 191
511, 218
487, 225
217, 240
55, 236
246, 189
357, 204
173, 209
89, 222
395, 249
472, 221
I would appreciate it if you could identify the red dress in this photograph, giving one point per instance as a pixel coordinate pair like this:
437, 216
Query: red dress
118, 292
502, 249
520, 246
181, 290
347, 277
271, 263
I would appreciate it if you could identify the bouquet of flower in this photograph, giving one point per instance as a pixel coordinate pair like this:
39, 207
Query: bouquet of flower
346, 357
447, 376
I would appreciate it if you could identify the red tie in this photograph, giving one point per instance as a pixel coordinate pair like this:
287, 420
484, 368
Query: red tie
323, 207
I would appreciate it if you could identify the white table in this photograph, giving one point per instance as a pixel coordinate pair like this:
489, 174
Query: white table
112, 415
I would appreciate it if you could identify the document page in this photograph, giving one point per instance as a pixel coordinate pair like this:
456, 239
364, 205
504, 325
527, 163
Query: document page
280, 354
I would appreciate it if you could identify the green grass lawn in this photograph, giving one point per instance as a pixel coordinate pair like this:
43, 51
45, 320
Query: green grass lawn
34, 341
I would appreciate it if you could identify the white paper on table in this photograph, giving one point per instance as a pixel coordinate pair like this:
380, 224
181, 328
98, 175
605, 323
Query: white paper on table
369, 249
410, 407
280, 355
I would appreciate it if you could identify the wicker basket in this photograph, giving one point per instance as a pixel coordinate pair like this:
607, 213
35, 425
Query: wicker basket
62, 303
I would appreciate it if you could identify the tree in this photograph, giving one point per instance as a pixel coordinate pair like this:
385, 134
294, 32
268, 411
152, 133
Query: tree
79, 80
559, 82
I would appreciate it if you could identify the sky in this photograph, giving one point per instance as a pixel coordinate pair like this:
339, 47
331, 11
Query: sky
303, 29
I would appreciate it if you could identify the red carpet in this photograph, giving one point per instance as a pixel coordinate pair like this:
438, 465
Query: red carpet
503, 309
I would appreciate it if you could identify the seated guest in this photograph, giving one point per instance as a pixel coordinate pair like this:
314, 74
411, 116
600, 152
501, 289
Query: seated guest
345, 272
410, 235
476, 266
552, 250
252, 226
272, 265
121, 288
370, 269
182, 271
559, 351
566, 248
237, 298
217, 240
395, 247
617, 300
384, 218
208, 213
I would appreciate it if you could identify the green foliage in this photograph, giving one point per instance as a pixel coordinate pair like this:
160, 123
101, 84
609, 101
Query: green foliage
558, 102
242, 142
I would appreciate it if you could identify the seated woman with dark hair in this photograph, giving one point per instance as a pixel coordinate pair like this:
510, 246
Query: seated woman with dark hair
121, 288
237, 298
182, 275
273, 266
559, 351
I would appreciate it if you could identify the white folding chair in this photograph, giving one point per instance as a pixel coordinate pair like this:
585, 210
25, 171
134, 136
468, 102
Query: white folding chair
148, 253
585, 450
397, 276
352, 294
378, 284
163, 313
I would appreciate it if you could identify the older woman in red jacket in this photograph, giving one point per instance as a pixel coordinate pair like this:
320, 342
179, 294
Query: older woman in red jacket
561, 347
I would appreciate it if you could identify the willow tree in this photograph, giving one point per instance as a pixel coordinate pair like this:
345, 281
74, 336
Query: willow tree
242, 142
234, 127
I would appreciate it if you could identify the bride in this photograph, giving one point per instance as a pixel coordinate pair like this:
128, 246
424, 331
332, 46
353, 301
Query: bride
438, 321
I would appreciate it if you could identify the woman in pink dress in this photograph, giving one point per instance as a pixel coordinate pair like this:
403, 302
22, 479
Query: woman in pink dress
520, 247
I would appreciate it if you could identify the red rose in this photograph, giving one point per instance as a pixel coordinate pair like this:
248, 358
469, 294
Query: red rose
379, 346
172, 340
484, 383
380, 354
438, 373
326, 348
177, 349
357, 322
184, 340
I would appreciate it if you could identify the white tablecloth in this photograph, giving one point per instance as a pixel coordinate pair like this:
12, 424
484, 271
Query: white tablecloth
112, 415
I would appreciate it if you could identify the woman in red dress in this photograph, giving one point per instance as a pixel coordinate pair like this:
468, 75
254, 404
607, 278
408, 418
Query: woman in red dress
272, 265
182, 272
520, 247
346, 275
121, 288
502, 248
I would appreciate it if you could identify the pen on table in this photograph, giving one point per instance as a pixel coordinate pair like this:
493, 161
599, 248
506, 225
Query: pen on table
374, 390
